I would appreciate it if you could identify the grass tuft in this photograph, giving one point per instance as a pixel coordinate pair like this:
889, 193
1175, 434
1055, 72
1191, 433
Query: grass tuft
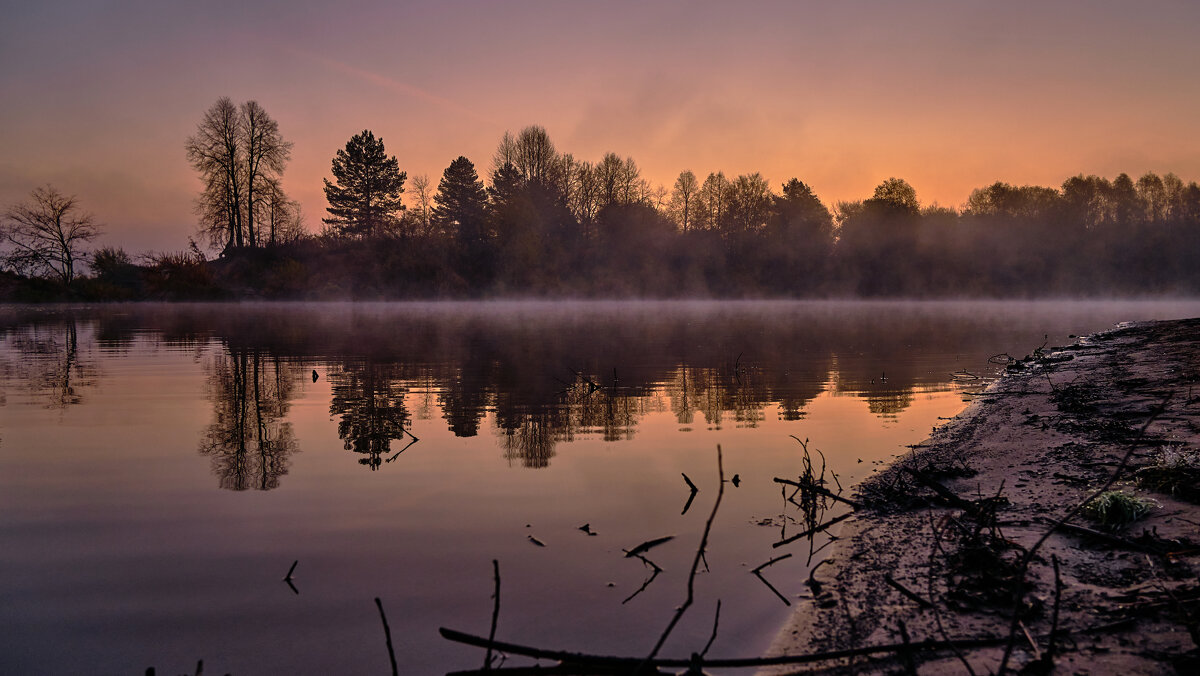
1115, 510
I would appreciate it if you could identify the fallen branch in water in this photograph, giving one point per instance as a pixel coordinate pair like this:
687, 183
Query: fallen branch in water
813, 531
388, 633
631, 664
487, 660
775, 560
691, 584
819, 490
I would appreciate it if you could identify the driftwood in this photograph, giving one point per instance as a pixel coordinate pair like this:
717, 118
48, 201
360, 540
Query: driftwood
820, 490
630, 664
947, 496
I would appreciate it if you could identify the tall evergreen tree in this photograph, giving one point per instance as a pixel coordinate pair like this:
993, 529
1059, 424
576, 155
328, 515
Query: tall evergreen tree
366, 198
460, 200
506, 184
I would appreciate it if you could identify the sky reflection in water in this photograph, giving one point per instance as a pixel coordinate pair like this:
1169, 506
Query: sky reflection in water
162, 466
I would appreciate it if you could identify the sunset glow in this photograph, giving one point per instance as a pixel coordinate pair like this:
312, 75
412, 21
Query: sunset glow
950, 96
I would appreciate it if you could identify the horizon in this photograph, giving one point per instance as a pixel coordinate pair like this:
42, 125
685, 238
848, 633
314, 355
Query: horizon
969, 95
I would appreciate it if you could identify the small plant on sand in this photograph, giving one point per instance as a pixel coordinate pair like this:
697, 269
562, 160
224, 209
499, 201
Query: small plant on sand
1176, 471
1115, 510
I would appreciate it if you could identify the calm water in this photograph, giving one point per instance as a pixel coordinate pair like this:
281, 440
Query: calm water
161, 467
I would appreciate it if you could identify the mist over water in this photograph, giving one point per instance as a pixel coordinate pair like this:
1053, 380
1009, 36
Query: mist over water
161, 466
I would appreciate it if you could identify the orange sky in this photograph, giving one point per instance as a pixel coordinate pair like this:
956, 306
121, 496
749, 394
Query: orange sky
99, 97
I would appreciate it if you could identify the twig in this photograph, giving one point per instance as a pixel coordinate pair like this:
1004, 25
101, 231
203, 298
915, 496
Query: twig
770, 586
1109, 538
777, 559
1037, 652
1018, 591
1185, 615
906, 650
716, 621
814, 530
1058, 586
688, 505
397, 453
645, 583
695, 561
906, 592
647, 546
944, 493
812, 580
487, 660
937, 613
689, 483
388, 633
819, 490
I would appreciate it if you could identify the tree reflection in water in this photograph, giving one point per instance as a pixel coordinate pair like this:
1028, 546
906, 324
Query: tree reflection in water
249, 442
537, 376
46, 358
369, 398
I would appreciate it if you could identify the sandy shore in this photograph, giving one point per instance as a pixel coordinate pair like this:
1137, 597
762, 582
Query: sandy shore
941, 543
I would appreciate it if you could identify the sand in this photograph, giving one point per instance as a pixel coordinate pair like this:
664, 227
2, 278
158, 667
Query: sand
1043, 438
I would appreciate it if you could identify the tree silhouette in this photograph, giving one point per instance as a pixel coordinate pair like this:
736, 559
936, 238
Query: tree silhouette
240, 155
683, 199
45, 234
366, 198
460, 202
266, 155
897, 194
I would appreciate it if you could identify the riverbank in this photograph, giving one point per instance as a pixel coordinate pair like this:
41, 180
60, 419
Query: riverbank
958, 538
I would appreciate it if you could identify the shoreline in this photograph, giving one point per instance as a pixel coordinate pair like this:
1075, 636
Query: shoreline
1034, 445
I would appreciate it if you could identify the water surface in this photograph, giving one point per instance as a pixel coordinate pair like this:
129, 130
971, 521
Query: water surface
162, 466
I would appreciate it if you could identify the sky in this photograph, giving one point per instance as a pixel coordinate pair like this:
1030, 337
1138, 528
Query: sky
100, 96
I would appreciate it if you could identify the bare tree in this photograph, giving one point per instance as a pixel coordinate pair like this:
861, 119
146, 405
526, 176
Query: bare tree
282, 215
683, 199
265, 156
46, 234
422, 196
214, 152
239, 153
714, 199
506, 152
618, 181
658, 195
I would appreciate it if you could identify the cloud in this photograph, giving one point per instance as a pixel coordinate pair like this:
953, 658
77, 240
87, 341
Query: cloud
393, 85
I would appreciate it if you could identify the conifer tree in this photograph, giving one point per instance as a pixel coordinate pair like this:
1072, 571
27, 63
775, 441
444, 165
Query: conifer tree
460, 200
366, 199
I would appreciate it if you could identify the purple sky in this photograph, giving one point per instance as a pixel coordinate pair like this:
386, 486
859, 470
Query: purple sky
100, 96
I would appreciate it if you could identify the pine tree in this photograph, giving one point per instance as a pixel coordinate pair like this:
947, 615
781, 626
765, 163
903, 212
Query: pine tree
460, 201
366, 198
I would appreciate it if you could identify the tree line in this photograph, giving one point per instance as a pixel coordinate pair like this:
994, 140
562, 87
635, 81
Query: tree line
546, 223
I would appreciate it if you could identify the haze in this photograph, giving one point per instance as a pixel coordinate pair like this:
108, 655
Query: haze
99, 97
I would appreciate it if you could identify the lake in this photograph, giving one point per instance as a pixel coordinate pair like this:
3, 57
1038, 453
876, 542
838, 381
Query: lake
163, 466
